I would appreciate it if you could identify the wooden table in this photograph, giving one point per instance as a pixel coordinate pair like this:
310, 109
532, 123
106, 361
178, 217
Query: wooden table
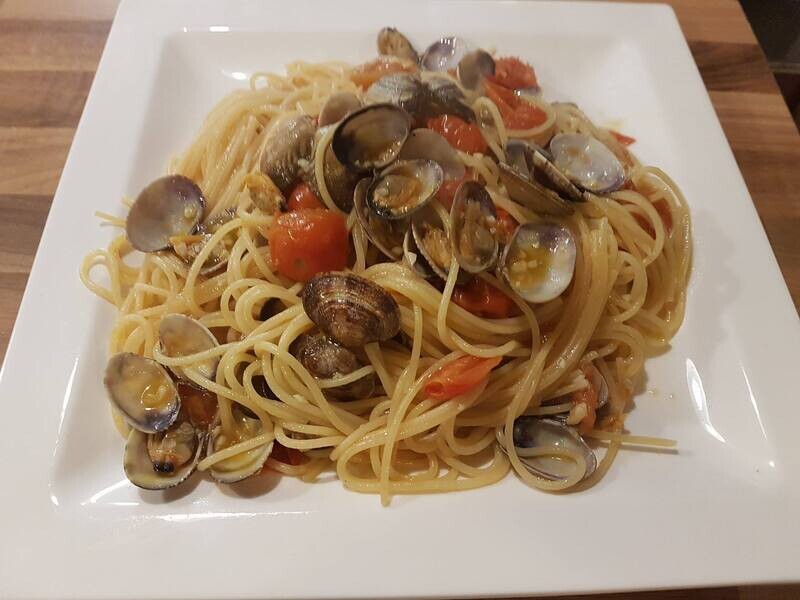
49, 51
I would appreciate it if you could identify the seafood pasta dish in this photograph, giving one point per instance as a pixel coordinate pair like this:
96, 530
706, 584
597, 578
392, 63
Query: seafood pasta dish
415, 274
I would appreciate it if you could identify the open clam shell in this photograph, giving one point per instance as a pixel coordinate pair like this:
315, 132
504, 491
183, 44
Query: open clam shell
142, 391
386, 234
539, 261
371, 137
180, 335
163, 460
337, 107
404, 188
521, 188
473, 219
242, 465
535, 432
444, 54
170, 206
393, 43
587, 162
425, 143
474, 67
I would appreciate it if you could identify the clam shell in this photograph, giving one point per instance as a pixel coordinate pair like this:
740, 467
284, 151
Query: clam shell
404, 187
351, 310
528, 192
180, 335
444, 54
426, 143
288, 143
535, 432
337, 107
371, 137
139, 467
393, 43
387, 235
587, 162
473, 220
242, 465
474, 67
170, 206
142, 391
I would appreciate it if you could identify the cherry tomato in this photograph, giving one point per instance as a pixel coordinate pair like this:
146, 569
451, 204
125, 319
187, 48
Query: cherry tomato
302, 196
459, 376
485, 300
506, 225
623, 139
461, 135
368, 73
517, 113
511, 72
308, 241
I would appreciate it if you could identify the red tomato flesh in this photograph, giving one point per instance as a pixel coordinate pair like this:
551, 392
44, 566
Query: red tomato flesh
302, 196
511, 72
461, 135
459, 376
485, 300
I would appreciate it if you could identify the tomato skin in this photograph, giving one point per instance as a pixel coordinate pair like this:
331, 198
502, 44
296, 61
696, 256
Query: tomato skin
461, 135
302, 196
459, 376
516, 112
308, 241
483, 299
368, 73
511, 72
623, 139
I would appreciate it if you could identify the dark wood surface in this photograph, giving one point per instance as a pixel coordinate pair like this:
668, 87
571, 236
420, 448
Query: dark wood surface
49, 50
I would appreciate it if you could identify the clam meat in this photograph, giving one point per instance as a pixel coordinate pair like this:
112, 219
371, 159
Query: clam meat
473, 219
158, 461
371, 137
386, 234
404, 187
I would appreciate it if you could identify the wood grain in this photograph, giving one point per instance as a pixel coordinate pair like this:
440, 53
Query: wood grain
49, 51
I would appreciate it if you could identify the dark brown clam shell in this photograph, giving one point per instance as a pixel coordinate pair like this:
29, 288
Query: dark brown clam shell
289, 141
393, 43
350, 309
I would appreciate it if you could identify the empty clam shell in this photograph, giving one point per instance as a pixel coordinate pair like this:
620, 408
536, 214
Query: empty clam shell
473, 219
401, 89
189, 247
444, 54
142, 391
351, 310
534, 432
426, 143
474, 68
180, 335
587, 162
386, 234
242, 465
337, 107
371, 137
288, 143
539, 262
404, 187
158, 461
170, 206
325, 359
393, 43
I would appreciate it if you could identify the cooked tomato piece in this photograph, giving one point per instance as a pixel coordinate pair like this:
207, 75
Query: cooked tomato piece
483, 299
459, 376
368, 73
511, 72
302, 196
308, 241
461, 135
517, 113
506, 225
623, 139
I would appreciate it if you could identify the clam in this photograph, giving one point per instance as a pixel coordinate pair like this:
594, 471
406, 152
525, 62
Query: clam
142, 391
474, 67
444, 54
587, 162
339, 180
546, 173
170, 206
371, 137
393, 43
414, 258
432, 240
325, 359
473, 220
523, 189
180, 335
426, 143
242, 465
337, 107
287, 145
539, 261
534, 432
404, 90
447, 98
264, 194
270, 308
404, 187
386, 234
188, 247
351, 310
158, 461
596, 381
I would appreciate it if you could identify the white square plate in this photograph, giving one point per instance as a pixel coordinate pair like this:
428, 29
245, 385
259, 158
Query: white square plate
723, 510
